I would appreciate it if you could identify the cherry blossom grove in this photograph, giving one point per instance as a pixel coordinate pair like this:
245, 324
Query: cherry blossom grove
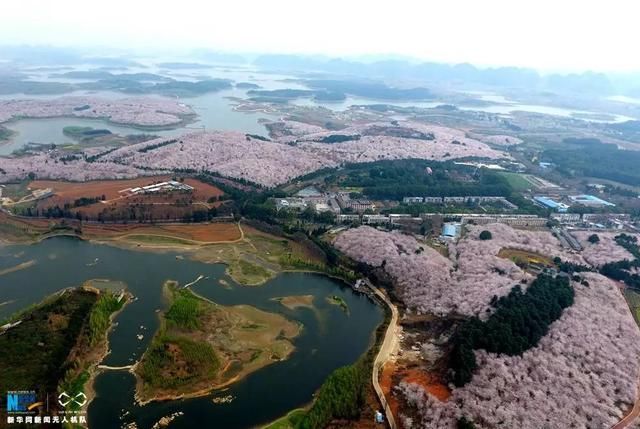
229, 153
584, 373
50, 165
140, 111
428, 282
604, 251
373, 144
236, 155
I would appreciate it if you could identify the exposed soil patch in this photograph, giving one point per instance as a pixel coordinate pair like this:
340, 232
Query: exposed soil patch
114, 200
297, 301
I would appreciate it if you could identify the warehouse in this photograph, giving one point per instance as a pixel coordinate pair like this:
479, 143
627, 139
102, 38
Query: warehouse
551, 204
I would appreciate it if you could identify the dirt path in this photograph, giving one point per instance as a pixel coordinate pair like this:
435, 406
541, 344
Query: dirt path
124, 237
387, 347
629, 418
635, 411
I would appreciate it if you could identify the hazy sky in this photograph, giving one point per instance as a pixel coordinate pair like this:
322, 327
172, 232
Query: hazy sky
545, 34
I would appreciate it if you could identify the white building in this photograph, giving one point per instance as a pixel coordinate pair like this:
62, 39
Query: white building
374, 219
322, 207
346, 218
412, 200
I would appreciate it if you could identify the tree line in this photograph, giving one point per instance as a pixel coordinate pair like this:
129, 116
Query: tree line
520, 319
622, 270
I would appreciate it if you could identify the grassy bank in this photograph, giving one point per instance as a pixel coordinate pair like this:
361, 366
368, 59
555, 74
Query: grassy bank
185, 360
344, 393
58, 342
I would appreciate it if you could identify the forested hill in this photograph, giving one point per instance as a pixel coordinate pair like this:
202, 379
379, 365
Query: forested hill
520, 320
401, 178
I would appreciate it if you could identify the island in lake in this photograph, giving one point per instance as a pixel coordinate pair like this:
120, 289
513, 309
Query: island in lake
201, 346
55, 346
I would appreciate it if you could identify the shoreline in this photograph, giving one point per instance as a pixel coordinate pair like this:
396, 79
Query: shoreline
138, 400
184, 120
94, 369
21, 266
121, 242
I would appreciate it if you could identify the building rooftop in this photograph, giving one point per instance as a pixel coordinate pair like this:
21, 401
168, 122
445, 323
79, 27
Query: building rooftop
590, 200
309, 191
548, 202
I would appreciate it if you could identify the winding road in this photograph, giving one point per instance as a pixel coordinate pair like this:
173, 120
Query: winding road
387, 347
629, 418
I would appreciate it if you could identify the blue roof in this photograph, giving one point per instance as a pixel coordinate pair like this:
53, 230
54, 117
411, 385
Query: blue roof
591, 198
547, 202
449, 230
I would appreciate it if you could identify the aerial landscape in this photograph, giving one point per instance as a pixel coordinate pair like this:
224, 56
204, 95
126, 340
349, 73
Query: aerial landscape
295, 231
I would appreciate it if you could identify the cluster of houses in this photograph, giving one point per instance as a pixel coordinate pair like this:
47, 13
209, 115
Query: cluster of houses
620, 221
337, 202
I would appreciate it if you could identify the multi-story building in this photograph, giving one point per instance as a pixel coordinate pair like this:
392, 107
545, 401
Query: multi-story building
347, 218
433, 200
375, 219
413, 200
531, 221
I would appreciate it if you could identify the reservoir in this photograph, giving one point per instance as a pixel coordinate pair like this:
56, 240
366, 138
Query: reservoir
214, 112
330, 337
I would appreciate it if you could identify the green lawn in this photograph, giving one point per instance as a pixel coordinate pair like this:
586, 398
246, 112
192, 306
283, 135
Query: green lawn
287, 422
633, 298
247, 273
517, 181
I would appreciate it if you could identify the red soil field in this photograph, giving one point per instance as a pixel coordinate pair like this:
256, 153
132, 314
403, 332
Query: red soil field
429, 383
65, 192
203, 232
119, 205
69, 191
393, 374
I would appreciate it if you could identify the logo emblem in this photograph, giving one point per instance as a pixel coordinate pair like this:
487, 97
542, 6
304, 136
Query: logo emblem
65, 399
21, 401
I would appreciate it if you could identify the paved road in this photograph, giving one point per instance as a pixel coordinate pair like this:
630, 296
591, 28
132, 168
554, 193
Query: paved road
387, 347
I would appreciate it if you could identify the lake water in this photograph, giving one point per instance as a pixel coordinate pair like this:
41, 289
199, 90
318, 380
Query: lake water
330, 338
49, 130
361, 101
214, 112
508, 108
214, 109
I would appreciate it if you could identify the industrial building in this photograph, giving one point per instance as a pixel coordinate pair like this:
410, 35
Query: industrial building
590, 201
551, 204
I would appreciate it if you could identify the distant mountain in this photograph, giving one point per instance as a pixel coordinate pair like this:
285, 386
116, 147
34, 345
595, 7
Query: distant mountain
440, 73
218, 57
